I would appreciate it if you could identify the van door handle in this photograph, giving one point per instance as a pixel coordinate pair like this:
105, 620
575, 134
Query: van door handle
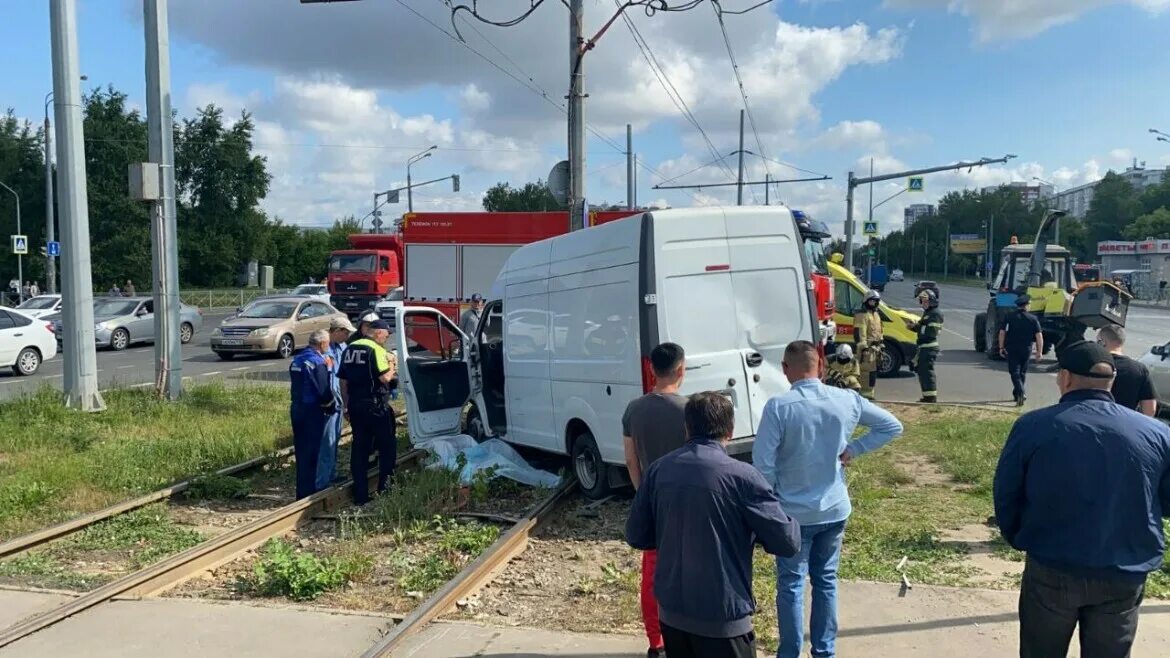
754, 359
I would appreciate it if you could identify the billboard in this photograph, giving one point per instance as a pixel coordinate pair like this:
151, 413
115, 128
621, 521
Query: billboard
968, 243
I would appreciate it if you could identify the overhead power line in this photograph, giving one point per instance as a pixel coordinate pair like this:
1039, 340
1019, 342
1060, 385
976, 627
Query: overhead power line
715, 4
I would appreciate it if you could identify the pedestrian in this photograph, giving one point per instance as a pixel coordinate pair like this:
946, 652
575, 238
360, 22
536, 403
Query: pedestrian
842, 370
33, 289
115, 291
929, 326
802, 448
1132, 387
1018, 333
703, 512
129, 288
367, 374
867, 333
26, 291
312, 408
339, 330
1081, 488
470, 318
1162, 290
653, 426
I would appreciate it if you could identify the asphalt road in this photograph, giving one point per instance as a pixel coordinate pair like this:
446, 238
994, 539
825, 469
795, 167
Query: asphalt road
134, 367
967, 376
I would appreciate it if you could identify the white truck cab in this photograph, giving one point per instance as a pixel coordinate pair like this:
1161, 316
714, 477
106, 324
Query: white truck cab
564, 342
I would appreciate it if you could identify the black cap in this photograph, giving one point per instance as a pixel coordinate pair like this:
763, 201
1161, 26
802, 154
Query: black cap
1080, 358
1023, 300
477, 297
380, 324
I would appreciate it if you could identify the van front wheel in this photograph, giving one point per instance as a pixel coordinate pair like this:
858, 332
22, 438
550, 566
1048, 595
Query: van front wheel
592, 473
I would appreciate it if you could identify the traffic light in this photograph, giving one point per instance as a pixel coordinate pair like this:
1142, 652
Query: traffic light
455, 183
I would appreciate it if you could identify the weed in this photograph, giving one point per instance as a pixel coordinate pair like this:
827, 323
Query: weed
467, 538
283, 571
218, 487
148, 534
42, 569
428, 574
413, 496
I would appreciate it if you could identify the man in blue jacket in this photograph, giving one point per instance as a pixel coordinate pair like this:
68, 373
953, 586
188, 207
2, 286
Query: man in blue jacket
802, 448
704, 511
312, 407
1082, 488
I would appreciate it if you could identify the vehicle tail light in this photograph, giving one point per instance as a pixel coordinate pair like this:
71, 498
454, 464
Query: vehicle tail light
49, 326
648, 378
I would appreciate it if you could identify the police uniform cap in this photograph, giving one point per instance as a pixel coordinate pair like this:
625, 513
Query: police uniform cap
380, 324
1080, 358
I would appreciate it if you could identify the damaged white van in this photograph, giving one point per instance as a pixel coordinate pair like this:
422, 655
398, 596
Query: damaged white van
564, 341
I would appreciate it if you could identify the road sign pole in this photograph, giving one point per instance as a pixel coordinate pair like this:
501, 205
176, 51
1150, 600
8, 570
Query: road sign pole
19, 256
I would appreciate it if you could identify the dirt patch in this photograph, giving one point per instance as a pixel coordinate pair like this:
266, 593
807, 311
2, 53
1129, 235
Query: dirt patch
923, 472
994, 563
911, 414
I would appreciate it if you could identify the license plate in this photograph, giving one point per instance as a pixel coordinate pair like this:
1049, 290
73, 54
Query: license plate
232, 341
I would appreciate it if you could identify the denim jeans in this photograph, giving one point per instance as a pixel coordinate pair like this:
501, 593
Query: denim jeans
327, 460
1054, 602
820, 552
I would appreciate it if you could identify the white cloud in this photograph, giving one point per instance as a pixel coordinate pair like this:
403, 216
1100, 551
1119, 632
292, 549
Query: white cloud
1015, 19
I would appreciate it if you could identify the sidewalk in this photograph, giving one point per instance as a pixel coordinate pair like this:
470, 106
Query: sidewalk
875, 622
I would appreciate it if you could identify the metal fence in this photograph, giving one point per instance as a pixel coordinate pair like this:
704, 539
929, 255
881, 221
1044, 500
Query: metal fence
223, 299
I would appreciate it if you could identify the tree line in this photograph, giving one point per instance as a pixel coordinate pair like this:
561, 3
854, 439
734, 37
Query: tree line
220, 183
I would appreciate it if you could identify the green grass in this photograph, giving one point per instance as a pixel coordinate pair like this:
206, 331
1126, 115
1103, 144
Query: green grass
218, 487
57, 463
300, 576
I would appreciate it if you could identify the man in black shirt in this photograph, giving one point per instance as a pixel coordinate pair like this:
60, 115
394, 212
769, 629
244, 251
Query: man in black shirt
1017, 333
1132, 388
367, 374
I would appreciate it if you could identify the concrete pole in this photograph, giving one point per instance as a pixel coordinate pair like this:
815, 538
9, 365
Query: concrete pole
409, 190
947, 251
50, 228
849, 222
168, 355
629, 167
767, 189
869, 240
19, 258
576, 115
739, 181
80, 353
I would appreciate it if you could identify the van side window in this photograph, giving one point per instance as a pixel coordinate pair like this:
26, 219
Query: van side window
435, 336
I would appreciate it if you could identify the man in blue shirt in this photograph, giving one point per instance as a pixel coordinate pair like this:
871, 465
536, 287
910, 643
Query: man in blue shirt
339, 329
704, 511
312, 407
802, 446
1082, 488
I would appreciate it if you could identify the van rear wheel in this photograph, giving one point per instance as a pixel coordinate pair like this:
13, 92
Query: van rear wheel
592, 473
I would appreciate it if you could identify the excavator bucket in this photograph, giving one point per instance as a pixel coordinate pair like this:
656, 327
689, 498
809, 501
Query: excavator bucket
1099, 304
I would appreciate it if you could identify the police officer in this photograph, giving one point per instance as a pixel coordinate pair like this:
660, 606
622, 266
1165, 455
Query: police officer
339, 330
312, 408
1017, 333
929, 326
867, 333
368, 372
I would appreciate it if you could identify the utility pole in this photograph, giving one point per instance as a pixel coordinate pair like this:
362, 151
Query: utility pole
168, 355
739, 181
869, 256
576, 116
81, 384
50, 229
991, 249
853, 182
947, 251
19, 257
629, 167
767, 189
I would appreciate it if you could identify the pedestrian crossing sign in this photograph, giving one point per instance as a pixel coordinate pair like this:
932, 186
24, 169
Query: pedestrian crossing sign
915, 184
870, 228
20, 245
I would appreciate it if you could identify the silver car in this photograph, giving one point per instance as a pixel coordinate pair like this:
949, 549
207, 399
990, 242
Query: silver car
122, 321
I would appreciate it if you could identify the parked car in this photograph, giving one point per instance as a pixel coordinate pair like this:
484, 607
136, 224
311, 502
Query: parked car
273, 325
41, 306
317, 291
897, 275
1158, 361
25, 342
385, 307
120, 322
926, 285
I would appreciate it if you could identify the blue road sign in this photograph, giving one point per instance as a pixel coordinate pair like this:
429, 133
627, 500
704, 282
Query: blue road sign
54, 248
870, 228
915, 184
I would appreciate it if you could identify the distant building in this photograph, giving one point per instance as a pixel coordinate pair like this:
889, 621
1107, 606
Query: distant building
915, 212
1076, 200
1029, 193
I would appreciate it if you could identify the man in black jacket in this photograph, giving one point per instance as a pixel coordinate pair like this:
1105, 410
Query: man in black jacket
703, 511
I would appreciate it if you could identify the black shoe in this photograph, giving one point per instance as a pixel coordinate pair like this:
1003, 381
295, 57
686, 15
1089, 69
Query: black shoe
656, 653
928, 399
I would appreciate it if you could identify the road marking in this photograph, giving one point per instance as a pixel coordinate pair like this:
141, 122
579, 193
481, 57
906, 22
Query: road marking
239, 368
209, 374
126, 367
949, 331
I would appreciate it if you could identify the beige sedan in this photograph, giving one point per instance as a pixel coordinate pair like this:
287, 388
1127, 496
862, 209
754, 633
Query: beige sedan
273, 325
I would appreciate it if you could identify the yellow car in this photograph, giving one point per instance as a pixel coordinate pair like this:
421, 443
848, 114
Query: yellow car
900, 342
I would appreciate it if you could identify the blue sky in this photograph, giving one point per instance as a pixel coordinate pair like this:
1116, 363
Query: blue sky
343, 93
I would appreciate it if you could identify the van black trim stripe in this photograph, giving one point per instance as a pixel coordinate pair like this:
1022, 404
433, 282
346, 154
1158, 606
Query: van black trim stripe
647, 313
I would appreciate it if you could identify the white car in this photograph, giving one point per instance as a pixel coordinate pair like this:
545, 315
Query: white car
318, 291
25, 342
897, 275
385, 306
40, 306
1158, 362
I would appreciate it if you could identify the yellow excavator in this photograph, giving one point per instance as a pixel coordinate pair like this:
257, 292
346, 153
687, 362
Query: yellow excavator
1045, 273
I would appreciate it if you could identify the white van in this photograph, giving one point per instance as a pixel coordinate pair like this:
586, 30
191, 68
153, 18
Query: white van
564, 341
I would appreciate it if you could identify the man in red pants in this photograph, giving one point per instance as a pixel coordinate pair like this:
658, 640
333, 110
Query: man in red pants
652, 427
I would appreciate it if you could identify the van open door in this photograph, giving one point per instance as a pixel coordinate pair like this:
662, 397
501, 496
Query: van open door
434, 372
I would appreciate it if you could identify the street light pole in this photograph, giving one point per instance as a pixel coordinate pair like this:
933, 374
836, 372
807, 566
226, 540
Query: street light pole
19, 258
50, 229
415, 158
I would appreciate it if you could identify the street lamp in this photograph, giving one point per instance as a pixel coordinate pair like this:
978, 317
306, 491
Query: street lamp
415, 158
50, 217
1162, 137
19, 258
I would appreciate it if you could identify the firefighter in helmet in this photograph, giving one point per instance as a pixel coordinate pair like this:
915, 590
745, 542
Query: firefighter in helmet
929, 326
867, 334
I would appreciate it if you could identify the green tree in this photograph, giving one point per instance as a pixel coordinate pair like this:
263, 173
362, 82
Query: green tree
533, 197
1153, 225
1157, 196
22, 168
1115, 206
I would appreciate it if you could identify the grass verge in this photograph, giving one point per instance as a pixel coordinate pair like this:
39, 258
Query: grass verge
56, 463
